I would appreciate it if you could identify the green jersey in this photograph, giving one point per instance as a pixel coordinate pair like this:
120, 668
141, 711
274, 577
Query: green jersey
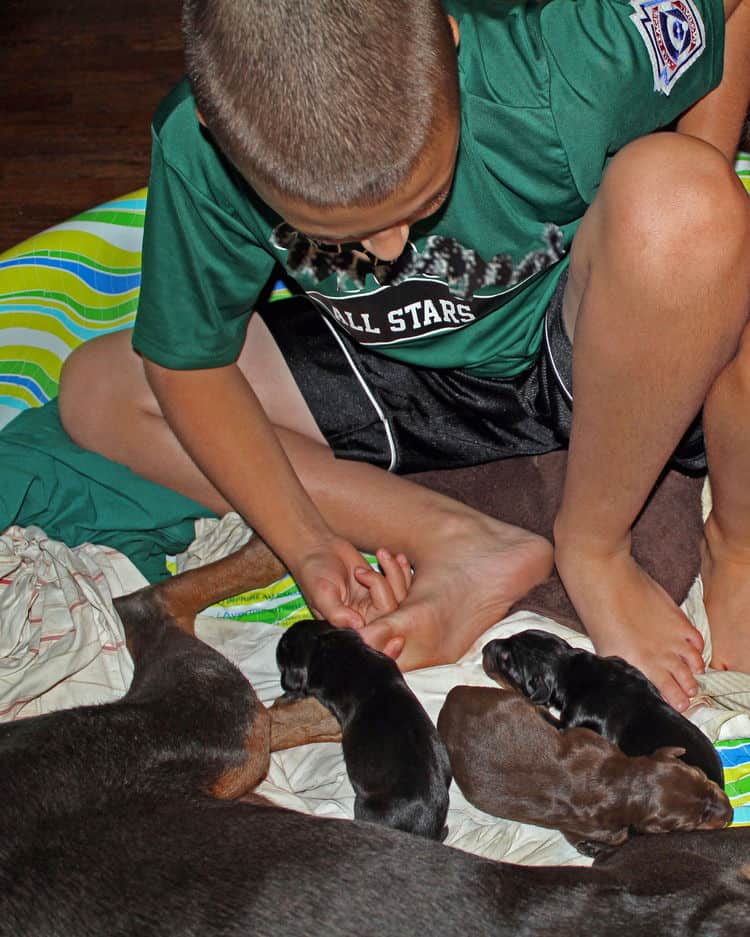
549, 93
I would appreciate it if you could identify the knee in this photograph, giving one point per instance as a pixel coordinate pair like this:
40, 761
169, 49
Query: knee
97, 380
734, 382
77, 378
675, 198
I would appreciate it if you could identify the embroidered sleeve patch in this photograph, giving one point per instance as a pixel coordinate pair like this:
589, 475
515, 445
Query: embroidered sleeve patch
674, 35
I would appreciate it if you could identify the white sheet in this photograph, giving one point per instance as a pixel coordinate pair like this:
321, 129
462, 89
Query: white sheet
61, 643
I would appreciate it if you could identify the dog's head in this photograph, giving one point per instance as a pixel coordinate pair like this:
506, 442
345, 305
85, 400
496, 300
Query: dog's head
529, 661
679, 797
294, 652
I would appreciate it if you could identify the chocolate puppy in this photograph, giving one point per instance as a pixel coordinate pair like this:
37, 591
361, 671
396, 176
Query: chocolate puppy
395, 759
510, 760
605, 694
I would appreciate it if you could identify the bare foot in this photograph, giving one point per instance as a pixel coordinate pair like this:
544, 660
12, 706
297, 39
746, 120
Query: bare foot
626, 614
726, 595
467, 576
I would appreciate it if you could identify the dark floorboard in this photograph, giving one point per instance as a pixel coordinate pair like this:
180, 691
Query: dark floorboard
79, 81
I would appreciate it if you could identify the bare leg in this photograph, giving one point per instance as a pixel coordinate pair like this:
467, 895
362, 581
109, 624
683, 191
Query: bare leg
726, 556
469, 568
658, 297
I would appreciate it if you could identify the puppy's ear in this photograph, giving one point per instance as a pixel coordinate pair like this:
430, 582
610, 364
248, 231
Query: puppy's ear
293, 654
488, 655
497, 662
294, 682
541, 687
668, 751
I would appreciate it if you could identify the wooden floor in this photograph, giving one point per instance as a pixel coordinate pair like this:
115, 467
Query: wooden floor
79, 81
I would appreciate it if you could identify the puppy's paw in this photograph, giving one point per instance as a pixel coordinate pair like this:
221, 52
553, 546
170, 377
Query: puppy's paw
594, 848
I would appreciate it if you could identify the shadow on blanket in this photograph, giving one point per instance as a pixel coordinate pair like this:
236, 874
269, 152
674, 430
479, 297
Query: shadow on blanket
526, 491
111, 826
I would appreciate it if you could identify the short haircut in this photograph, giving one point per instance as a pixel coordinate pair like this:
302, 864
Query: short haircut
330, 102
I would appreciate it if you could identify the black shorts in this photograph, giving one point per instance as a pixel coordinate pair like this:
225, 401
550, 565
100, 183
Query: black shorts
405, 418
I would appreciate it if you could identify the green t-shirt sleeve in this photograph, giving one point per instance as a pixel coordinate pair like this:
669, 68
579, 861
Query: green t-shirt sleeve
619, 69
202, 271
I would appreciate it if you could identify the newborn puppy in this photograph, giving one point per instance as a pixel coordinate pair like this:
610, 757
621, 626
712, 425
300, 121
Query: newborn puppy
605, 694
395, 759
510, 760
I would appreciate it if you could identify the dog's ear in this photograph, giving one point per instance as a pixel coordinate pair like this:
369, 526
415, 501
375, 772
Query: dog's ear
540, 687
668, 751
497, 661
717, 810
293, 654
294, 681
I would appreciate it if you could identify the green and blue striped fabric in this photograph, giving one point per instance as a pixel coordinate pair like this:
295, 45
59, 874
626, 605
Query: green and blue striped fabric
735, 758
743, 169
62, 287
59, 288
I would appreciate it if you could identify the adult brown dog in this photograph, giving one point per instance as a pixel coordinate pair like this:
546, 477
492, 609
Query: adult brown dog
511, 761
110, 826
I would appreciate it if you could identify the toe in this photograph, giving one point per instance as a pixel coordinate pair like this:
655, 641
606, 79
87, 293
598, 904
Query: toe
674, 691
393, 647
695, 639
693, 659
379, 635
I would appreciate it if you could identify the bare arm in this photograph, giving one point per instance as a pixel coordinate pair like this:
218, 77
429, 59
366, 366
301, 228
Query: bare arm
219, 421
719, 117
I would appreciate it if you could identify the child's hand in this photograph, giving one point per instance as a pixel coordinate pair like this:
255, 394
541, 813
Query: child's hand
340, 588
388, 589
386, 593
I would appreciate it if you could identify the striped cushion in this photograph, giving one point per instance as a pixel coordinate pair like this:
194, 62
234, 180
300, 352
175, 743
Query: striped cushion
735, 757
59, 288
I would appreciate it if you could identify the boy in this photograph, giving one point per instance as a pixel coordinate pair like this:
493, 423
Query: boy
422, 176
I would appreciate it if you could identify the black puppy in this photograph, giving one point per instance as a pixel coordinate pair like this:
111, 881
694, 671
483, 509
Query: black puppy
605, 694
395, 759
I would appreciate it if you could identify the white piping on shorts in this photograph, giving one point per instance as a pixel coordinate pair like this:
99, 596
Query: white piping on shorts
560, 381
370, 397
